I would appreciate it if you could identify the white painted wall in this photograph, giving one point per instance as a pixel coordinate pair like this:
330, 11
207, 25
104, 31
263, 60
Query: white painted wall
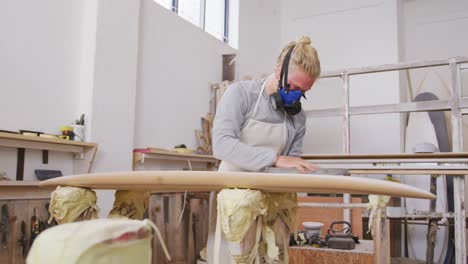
59, 59
114, 89
259, 37
434, 30
87, 52
177, 62
349, 34
39, 62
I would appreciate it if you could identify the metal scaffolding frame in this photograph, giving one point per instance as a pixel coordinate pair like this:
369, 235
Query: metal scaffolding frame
456, 105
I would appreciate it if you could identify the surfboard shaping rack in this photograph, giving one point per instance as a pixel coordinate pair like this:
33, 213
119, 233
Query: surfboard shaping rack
457, 106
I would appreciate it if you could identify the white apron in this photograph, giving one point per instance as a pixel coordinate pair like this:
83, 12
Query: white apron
255, 133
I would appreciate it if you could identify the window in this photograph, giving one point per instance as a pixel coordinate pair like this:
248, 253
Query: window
191, 11
217, 17
166, 3
214, 18
232, 31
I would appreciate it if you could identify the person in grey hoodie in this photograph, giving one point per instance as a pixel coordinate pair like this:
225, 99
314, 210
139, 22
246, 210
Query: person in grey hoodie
260, 124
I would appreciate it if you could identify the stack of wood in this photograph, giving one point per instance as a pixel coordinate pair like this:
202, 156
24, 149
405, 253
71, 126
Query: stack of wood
204, 137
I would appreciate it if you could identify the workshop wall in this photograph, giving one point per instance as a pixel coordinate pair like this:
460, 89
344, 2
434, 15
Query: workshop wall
259, 37
432, 30
39, 63
349, 34
114, 88
346, 34
83, 58
39, 72
177, 62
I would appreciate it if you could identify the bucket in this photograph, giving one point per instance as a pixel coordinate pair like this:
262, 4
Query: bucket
313, 229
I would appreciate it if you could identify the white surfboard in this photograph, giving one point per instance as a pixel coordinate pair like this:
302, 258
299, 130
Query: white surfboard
420, 129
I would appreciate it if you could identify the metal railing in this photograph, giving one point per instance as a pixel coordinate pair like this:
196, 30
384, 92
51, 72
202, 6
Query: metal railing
456, 105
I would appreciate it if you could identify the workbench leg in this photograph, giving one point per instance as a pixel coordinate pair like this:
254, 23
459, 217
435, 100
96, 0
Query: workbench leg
460, 219
381, 237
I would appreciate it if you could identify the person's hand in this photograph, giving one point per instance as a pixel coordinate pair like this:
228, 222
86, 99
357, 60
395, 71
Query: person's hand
294, 162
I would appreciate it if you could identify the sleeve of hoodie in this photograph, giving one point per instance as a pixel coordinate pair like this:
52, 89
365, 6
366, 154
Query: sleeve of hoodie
296, 147
230, 117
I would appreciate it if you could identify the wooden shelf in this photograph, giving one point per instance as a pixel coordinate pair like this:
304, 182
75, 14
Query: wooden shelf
85, 151
19, 184
12, 190
33, 142
140, 155
170, 155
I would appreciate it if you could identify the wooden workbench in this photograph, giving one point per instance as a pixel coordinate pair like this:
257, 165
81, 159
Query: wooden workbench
362, 254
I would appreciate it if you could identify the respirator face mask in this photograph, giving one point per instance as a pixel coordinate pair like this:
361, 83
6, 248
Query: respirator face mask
286, 100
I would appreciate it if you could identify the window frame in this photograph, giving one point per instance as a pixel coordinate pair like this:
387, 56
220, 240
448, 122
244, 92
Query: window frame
202, 24
226, 22
175, 6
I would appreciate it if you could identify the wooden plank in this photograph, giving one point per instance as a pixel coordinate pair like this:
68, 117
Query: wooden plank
177, 244
157, 216
24, 190
193, 204
184, 243
165, 212
387, 156
212, 181
10, 184
381, 238
395, 231
31, 139
182, 155
410, 172
395, 167
201, 219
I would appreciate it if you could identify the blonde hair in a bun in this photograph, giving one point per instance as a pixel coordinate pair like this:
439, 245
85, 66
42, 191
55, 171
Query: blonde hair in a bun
304, 56
305, 40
